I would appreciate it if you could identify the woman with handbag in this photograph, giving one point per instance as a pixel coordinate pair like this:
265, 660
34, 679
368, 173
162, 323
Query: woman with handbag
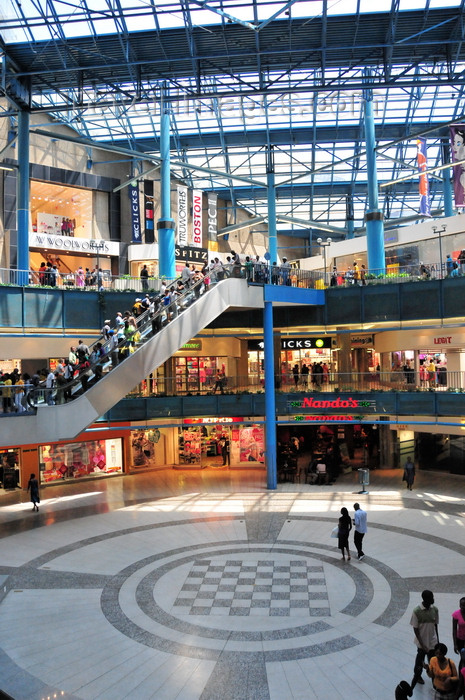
443, 673
345, 526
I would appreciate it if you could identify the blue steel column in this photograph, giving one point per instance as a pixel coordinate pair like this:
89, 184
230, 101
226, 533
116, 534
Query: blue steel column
374, 217
270, 398
22, 260
165, 224
271, 196
447, 183
350, 216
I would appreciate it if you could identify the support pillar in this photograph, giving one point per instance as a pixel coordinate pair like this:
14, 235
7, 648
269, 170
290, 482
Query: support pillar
22, 257
374, 216
271, 197
344, 359
270, 398
350, 216
165, 224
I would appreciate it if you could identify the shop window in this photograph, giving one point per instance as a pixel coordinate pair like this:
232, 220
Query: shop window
77, 459
69, 211
148, 448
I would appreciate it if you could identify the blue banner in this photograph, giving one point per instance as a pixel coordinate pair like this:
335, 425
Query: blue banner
423, 184
135, 213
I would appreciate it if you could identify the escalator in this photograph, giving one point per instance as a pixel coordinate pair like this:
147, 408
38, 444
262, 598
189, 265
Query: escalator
66, 421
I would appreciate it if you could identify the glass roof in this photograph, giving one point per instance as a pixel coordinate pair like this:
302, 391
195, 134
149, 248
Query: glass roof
226, 120
25, 20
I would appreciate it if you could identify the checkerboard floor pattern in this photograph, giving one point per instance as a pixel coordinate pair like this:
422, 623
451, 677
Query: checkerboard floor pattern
236, 587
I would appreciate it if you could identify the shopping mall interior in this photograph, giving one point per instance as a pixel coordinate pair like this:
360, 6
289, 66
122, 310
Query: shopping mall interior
232, 271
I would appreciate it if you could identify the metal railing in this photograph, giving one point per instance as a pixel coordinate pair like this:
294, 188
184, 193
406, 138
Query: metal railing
96, 282
254, 272
183, 385
419, 272
180, 385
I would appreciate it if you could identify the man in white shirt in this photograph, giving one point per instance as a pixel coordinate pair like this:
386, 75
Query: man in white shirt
360, 522
424, 620
49, 386
186, 275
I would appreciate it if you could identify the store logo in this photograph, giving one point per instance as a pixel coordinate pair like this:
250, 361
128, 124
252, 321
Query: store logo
320, 419
208, 421
303, 343
360, 340
197, 218
445, 340
332, 403
193, 345
38, 240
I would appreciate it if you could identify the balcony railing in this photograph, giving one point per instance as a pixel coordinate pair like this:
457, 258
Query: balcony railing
182, 385
255, 273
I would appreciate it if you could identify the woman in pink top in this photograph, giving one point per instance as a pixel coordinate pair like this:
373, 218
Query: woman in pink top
458, 627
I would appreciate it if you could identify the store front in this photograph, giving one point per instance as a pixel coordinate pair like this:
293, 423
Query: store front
425, 359
294, 351
73, 460
149, 448
147, 254
430, 447
10, 475
220, 442
193, 369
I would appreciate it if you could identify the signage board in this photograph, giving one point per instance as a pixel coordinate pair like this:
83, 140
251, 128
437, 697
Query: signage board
73, 245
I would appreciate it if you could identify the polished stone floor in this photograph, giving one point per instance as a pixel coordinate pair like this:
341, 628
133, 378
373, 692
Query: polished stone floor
203, 585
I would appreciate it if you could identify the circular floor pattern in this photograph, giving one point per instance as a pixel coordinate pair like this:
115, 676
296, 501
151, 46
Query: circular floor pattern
187, 602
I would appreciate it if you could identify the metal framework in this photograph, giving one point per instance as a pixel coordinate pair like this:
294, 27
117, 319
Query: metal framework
246, 75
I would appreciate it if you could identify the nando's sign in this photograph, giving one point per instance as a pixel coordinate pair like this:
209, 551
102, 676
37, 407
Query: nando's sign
314, 405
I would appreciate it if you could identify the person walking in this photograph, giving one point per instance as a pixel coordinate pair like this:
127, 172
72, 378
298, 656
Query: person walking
458, 627
344, 528
296, 372
305, 375
409, 473
33, 487
144, 278
360, 522
424, 620
224, 445
219, 382
443, 673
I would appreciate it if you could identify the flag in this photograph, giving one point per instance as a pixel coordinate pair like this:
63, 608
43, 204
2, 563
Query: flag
423, 183
457, 145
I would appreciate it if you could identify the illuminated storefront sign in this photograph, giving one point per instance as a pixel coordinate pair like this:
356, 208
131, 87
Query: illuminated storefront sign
332, 403
326, 419
305, 343
208, 421
295, 344
192, 345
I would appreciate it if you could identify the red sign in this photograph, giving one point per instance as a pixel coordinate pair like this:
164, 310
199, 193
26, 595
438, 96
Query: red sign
334, 403
206, 421
445, 340
339, 419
